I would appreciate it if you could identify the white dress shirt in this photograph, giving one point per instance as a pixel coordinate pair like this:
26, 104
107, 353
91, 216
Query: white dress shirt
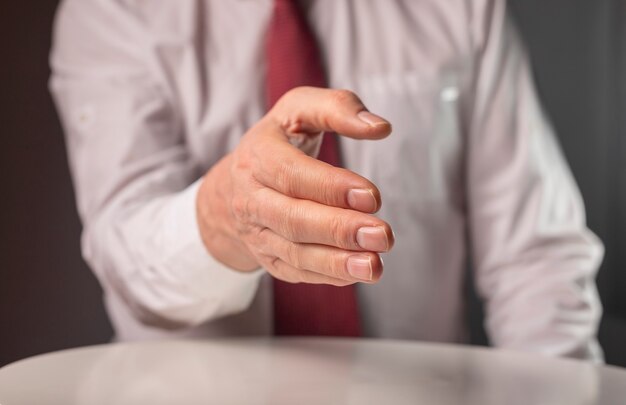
153, 92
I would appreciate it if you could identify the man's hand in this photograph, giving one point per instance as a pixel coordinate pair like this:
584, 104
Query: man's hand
269, 204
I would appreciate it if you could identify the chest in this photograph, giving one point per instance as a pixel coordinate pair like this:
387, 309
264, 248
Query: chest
405, 59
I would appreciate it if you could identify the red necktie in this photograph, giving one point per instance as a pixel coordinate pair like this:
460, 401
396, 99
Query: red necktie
293, 60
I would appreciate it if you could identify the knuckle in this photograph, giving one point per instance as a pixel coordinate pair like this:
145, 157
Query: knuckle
339, 267
292, 123
285, 175
259, 238
331, 188
282, 271
243, 208
335, 267
293, 255
239, 207
272, 266
343, 96
241, 160
340, 232
289, 222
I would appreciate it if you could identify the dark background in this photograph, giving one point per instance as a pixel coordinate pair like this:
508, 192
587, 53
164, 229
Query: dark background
48, 298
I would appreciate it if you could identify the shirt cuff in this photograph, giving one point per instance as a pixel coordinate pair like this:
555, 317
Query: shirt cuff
217, 289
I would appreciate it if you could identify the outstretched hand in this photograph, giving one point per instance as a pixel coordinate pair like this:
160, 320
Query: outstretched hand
269, 204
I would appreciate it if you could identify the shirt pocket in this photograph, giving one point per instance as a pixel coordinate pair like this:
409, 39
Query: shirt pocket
421, 160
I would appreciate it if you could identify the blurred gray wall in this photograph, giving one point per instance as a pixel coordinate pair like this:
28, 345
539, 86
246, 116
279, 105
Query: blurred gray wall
48, 298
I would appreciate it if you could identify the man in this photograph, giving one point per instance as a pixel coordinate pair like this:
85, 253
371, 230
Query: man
193, 191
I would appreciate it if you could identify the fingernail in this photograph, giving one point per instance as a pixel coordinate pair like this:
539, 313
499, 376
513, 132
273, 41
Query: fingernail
371, 119
373, 238
360, 267
362, 200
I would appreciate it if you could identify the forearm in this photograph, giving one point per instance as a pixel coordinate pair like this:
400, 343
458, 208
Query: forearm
535, 259
133, 172
152, 256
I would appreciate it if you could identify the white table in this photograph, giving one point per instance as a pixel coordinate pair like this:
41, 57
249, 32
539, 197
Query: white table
304, 371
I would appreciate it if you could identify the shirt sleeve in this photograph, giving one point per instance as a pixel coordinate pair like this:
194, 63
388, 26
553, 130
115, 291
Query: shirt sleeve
135, 180
535, 259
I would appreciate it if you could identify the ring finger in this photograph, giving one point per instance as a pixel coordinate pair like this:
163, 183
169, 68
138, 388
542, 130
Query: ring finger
329, 261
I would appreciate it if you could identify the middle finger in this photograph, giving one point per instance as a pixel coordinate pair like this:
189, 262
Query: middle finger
305, 221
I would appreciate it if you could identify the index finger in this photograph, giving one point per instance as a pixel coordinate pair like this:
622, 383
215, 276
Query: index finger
300, 176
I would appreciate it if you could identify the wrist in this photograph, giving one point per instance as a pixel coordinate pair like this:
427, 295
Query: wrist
215, 219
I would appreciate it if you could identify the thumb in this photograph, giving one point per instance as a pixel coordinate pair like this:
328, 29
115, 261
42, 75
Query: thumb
313, 110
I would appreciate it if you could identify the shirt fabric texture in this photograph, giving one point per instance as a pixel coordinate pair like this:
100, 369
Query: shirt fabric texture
152, 93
